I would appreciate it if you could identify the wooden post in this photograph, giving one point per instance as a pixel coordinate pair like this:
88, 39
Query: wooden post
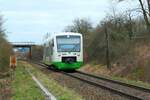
13, 62
107, 48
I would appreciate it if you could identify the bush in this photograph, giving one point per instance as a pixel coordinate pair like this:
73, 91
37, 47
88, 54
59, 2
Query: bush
37, 52
5, 50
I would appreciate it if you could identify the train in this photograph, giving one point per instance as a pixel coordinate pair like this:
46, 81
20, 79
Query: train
64, 51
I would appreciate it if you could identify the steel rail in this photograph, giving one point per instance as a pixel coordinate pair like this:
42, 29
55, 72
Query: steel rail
116, 81
116, 90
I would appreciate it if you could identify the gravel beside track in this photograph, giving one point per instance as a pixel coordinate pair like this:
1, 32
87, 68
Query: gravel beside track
124, 89
88, 91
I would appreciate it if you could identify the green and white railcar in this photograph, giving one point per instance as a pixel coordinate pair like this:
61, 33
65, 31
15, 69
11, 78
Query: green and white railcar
64, 51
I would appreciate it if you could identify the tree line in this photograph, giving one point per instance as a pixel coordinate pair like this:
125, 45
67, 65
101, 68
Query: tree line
124, 31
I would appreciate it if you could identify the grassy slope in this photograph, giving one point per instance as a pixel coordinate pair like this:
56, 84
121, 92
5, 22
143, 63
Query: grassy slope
24, 88
102, 70
61, 93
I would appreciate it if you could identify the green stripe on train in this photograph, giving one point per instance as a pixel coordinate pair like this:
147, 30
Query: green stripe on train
65, 66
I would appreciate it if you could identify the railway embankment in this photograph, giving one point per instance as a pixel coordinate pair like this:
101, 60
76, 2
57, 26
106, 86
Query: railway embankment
88, 89
132, 68
60, 92
101, 70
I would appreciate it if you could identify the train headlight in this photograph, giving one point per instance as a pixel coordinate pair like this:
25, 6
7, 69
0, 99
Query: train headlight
59, 55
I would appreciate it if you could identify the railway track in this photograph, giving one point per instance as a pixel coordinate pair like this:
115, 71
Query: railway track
132, 92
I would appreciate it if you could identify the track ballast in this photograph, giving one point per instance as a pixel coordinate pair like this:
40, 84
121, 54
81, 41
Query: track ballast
132, 92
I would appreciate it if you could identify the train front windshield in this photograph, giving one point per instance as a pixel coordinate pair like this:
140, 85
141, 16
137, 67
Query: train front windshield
68, 43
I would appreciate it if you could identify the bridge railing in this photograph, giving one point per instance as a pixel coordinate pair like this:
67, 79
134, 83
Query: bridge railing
23, 43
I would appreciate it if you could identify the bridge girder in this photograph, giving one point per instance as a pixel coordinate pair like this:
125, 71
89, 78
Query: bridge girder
24, 45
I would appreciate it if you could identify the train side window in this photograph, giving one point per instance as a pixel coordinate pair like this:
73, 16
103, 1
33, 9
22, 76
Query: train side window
52, 43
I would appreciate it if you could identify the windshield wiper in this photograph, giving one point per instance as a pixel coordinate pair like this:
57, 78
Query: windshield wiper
72, 50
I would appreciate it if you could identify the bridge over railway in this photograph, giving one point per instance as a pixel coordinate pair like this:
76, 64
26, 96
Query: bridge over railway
24, 45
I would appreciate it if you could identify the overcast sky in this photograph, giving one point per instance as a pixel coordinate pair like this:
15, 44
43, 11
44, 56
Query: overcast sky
30, 20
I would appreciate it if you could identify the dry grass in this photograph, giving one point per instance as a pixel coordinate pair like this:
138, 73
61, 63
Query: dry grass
134, 65
96, 69
5, 88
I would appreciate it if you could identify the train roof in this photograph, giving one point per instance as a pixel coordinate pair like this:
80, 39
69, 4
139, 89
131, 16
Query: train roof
67, 33
61, 33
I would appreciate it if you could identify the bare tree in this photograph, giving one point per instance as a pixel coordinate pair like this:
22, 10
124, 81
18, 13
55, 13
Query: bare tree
146, 13
82, 26
2, 34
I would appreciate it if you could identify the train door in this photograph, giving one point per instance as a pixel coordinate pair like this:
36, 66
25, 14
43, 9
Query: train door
51, 51
44, 53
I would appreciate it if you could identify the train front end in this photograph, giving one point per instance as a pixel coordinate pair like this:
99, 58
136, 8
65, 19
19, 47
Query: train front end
69, 51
